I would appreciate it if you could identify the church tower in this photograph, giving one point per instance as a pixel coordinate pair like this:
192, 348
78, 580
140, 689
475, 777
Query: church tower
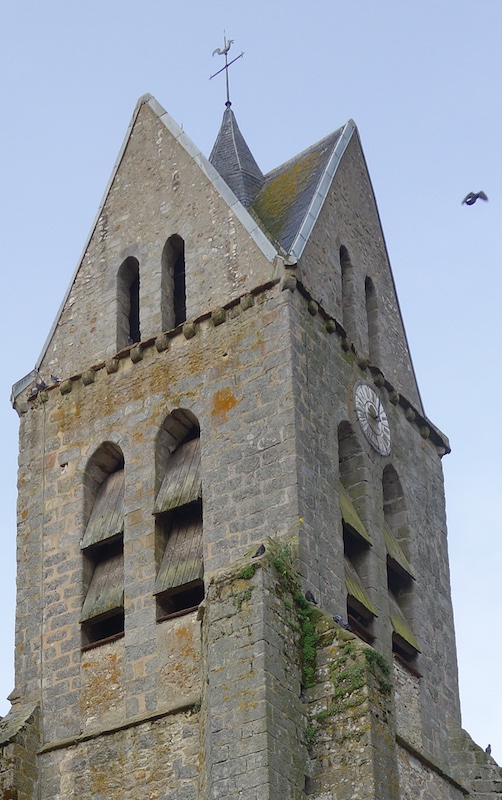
232, 556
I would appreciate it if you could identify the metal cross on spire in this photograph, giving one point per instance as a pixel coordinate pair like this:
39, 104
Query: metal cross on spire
224, 52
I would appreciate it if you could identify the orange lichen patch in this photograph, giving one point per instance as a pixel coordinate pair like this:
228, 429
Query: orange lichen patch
223, 402
102, 681
185, 642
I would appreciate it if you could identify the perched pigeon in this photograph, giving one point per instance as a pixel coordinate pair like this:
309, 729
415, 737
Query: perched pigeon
260, 551
55, 379
310, 597
342, 622
41, 385
488, 749
130, 340
472, 197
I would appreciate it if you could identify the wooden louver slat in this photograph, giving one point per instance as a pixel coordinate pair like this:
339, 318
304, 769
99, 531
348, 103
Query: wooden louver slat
182, 482
106, 590
394, 551
355, 588
182, 561
351, 517
400, 624
107, 516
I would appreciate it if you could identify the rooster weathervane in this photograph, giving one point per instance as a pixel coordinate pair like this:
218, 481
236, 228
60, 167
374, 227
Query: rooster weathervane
224, 52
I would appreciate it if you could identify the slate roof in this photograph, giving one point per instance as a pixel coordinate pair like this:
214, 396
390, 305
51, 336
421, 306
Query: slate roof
234, 161
288, 191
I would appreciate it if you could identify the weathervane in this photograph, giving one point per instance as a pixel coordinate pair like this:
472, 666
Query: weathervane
224, 52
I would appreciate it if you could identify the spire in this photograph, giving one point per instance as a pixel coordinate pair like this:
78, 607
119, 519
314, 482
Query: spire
234, 161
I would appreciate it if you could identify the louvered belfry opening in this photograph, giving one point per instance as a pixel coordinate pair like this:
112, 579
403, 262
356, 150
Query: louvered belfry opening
179, 586
102, 615
400, 577
356, 539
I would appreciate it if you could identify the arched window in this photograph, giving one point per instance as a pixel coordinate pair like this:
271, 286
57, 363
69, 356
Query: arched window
356, 539
400, 576
179, 587
102, 616
173, 288
372, 321
348, 295
128, 327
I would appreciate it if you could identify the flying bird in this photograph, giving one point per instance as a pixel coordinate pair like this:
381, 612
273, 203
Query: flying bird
310, 597
472, 197
342, 622
260, 551
225, 49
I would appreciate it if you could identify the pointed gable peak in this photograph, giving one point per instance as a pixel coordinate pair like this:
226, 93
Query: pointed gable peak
234, 161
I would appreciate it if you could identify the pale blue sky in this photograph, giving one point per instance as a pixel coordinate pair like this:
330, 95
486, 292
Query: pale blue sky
422, 81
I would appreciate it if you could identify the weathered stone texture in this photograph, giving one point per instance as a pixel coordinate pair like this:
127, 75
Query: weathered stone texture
407, 700
349, 217
351, 719
418, 780
254, 717
19, 743
158, 758
222, 703
222, 261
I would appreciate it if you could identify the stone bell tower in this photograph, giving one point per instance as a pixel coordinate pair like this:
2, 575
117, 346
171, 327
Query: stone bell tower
232, 558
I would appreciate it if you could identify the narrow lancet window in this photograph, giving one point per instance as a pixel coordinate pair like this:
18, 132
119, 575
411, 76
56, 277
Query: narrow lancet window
372, 321
128, 310
348, 295
173, 283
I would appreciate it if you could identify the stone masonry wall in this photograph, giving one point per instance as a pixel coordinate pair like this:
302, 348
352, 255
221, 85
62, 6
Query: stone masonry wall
349, 217
230, 374
254, 740
19, 743
159, 190
351, 730
325, 372
158, 759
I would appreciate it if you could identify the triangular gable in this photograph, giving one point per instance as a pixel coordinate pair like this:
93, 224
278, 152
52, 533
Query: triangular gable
247, 221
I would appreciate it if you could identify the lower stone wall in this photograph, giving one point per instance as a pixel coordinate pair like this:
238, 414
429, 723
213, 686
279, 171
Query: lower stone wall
157, 759
474, 767
351, 730
417, 781
19, 742
407, 702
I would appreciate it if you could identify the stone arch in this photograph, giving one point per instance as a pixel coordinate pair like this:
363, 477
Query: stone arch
394, 506
179, 426
105, 460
